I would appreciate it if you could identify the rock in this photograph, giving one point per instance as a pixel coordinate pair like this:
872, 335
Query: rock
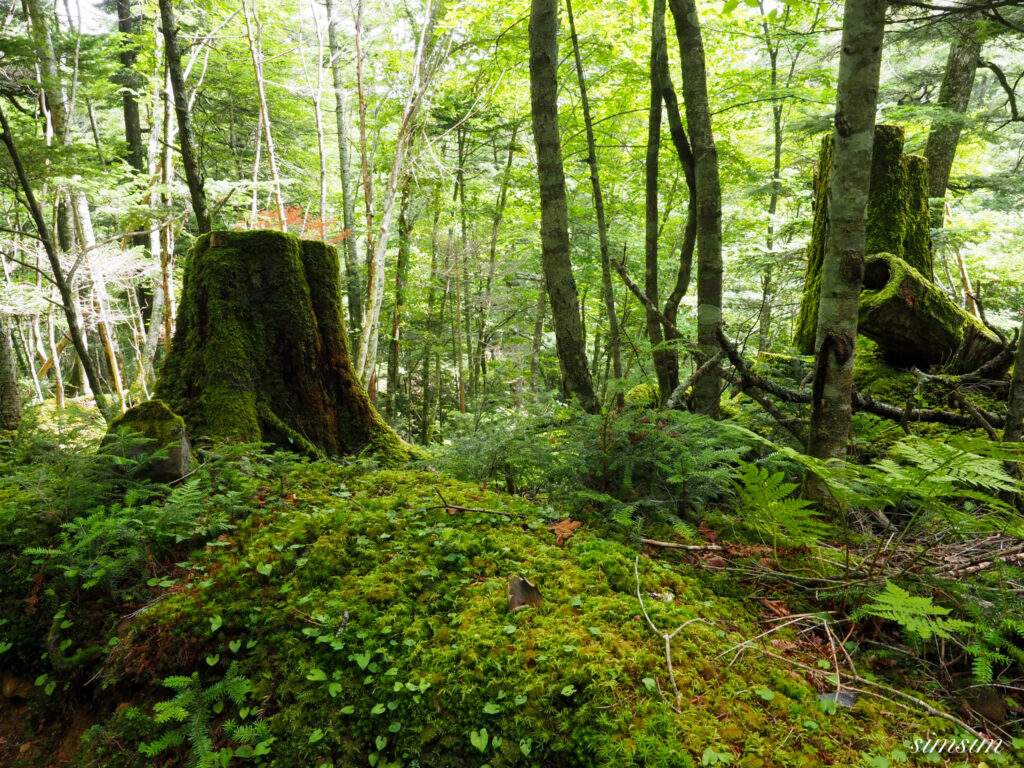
165, 454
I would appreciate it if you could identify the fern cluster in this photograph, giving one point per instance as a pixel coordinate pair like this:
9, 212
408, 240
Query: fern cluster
187, 717
632, 465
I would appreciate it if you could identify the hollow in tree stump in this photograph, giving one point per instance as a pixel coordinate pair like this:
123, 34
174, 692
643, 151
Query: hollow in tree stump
260, 353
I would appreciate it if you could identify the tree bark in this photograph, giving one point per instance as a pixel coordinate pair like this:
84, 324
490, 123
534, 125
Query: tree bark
666, 365
10, 395
954, 97
189, 161
405, 225
353, 273
843, 268
131, 82
1015, 407
706, 390
561, 285
608, 294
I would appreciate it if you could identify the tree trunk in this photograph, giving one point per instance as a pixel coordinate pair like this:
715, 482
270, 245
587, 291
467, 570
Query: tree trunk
10, 395
666, 364
353, 274
131, 83
483, 339
1015, 407
608, 294
954, 96
538, 336
689, 235
260, 353
66, 294
189, 161
423, 68
842, 272
405, 225
561, 285
706, 390
254, 35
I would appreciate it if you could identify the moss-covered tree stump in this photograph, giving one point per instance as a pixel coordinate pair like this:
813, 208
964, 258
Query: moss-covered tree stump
259, 352
897, 219
915, 324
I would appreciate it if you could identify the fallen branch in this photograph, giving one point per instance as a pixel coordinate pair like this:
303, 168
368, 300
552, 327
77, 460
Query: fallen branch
687, 547
676, 398
666, 636
456, 508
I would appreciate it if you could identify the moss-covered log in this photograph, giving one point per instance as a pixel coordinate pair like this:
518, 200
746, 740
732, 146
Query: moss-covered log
915, 324
897, 219
260, 353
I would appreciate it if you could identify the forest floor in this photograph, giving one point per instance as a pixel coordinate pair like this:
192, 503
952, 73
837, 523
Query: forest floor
277, 611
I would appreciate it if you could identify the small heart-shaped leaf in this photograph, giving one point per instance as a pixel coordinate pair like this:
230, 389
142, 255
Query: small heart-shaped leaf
234, 645
479, 739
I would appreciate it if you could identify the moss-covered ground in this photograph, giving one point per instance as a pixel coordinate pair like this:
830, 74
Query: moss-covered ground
318, 614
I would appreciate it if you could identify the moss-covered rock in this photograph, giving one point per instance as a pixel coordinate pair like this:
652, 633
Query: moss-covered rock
642, 396
165, 452
260, 352
897, 219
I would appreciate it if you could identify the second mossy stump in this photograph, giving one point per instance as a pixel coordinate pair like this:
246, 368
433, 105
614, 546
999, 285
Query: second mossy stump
260, 351
897, 219
915, 324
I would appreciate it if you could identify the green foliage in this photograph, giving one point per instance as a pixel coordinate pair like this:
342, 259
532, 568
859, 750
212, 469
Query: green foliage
187, 717
766, 504
917, 615
651, 466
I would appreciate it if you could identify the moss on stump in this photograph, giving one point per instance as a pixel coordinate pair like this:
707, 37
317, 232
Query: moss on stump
260, 353
915, 324
897, 219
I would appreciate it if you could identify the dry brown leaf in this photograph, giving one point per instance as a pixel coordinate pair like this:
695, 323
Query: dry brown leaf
563, 529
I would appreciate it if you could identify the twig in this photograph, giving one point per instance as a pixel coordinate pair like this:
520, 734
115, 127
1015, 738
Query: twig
688, 547
455, 508
667, 637
976, 414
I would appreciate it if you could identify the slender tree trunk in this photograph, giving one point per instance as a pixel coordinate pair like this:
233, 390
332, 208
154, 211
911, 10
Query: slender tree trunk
254, 33
10, 394
320, 138
954, 96
131, 82
431, 392
666, 366
66, 294
353, 275
843, 269
555, 255
1015, 407
365, 166
685, 154
492, 259
538, 335
424, 65
608, 293
189, 161
706, 390
58, 374
405, 225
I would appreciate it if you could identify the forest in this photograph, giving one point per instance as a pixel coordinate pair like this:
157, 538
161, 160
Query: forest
545, 383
